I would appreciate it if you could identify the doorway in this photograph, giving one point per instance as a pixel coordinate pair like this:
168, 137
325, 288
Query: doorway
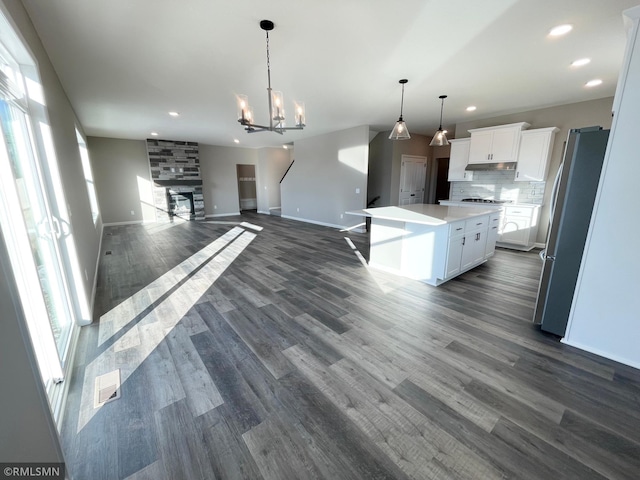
247, 187
412, 177
443, 186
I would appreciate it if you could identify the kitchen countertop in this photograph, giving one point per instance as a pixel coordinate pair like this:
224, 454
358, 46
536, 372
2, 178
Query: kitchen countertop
426, 214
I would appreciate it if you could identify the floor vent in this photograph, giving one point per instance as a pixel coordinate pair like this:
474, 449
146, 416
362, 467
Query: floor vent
108, 252
107, 388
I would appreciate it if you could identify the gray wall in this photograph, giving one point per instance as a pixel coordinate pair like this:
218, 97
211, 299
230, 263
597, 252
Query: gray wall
385, 164
220, 178
122, 178
322, 183
565, 117
380, 163
272, 164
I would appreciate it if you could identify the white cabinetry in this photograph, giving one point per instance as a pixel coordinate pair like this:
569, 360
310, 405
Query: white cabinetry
454, 252
458, 159
492, 234
534, 154
467, 245
475, 233
519, 227
495, 144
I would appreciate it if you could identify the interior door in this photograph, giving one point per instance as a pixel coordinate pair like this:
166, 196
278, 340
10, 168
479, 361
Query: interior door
412, 179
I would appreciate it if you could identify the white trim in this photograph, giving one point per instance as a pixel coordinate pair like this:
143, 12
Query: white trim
332, 225
94, 288
539, 245
130, 222
213, 215
601, 353
264, 213
61, 401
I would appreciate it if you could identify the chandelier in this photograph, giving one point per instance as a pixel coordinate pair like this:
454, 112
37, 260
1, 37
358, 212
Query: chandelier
276, 103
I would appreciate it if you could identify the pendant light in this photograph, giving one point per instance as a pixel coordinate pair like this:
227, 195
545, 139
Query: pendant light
400, 131
440, 139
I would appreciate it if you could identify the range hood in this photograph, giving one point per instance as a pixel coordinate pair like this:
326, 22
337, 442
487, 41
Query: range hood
479, 167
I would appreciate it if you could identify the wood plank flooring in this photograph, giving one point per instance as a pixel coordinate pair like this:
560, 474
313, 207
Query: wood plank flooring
273, 353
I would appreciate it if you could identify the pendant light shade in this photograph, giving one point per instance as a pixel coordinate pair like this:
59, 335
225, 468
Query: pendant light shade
439, 138
400, 131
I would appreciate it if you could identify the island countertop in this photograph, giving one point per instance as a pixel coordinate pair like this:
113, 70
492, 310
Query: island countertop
426, 214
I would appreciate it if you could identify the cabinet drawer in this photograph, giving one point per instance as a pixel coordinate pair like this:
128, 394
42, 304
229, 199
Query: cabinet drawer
456, 228
478, 223
518, 211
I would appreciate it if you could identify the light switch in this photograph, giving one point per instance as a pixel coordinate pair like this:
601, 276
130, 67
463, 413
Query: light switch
357, 190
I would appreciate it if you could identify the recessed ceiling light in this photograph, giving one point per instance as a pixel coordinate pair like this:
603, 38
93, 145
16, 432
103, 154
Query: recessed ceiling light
471, 108
236, 140
593, 83
174, 114
154, 134
285, 147
580, 62
560, 30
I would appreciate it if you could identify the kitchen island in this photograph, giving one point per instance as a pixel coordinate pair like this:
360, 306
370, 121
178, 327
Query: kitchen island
431, 243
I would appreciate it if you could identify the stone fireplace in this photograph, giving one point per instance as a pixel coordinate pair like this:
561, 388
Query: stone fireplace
177, 185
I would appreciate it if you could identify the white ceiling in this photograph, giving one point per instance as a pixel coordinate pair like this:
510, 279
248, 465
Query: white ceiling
126, 63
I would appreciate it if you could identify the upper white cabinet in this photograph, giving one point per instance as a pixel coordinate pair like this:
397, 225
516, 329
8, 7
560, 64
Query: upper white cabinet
534, 154
458, 159
495, 144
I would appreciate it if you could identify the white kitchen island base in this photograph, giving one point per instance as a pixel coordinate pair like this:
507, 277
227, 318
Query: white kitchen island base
431, 243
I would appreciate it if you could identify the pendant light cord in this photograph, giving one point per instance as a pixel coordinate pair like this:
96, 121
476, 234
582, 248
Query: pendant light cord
268, 64
402, 101
441, 108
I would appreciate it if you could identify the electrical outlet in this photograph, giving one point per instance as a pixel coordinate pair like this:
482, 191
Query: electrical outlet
298, 210
215, 207
132, 212
341, 216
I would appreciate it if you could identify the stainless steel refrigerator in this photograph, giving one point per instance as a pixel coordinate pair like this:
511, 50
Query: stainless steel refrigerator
574, 193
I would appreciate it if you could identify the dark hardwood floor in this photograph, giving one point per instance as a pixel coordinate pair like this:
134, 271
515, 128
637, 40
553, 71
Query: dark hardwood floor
274, 353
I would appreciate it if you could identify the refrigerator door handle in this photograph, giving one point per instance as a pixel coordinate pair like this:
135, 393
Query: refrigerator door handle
550, 257
554, 192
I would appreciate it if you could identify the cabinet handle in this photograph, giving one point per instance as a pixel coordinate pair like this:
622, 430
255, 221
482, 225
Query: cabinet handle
463, 240
458, 229
517, 174
478, 223
477, 236
494, 228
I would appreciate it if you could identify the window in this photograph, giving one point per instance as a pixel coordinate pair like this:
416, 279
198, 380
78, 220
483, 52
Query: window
88, 176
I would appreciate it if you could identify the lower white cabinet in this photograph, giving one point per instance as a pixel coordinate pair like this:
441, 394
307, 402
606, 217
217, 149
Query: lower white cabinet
519, 227
467, 245
492, 234
454, 256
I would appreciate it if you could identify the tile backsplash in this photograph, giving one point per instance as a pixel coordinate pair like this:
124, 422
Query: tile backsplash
499, 185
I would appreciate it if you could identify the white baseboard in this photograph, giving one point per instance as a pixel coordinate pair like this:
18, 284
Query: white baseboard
263, 212
601, 353
539, 245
